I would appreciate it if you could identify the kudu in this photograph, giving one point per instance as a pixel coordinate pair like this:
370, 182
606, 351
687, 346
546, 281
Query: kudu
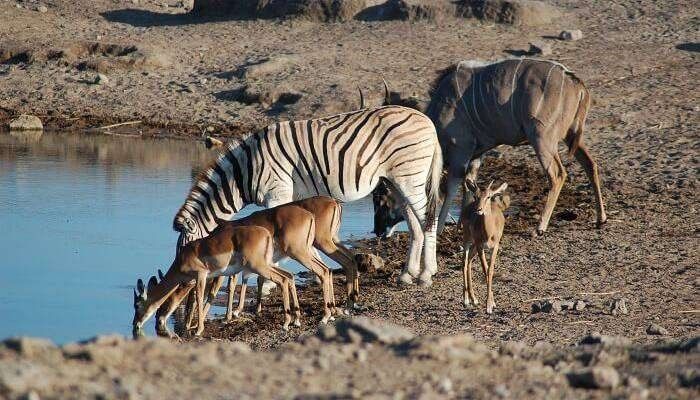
482, 223
478, 106
226, 251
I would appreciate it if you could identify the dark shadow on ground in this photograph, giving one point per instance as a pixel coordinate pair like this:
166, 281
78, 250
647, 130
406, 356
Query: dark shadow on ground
690, 46
146, 19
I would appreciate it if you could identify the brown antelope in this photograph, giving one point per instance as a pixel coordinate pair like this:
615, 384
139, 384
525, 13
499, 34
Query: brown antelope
482, 226
226, 251
328, 215
296, 228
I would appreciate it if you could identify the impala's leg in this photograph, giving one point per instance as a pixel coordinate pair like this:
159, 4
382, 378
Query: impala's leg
214, 288
484, 263
232, 282
321, 270
173, 302
274, 274
258, 306
241, 297
589, 165
548, 155
201, 286
340, 254
469, 296
293, 294
490, 304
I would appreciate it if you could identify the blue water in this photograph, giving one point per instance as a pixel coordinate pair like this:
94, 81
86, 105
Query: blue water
82, 217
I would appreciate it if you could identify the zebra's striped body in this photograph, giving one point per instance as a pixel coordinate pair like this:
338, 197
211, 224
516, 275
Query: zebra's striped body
341, 156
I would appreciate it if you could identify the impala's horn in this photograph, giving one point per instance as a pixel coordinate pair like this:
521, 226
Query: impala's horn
362, 98
387, 95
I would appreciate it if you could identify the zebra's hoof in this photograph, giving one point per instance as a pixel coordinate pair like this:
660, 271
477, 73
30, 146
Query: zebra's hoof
425, 281
405, 279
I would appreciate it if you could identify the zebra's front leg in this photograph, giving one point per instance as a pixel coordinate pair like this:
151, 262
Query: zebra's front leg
416, 238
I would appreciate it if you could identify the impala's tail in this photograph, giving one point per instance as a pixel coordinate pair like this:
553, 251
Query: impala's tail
432, 189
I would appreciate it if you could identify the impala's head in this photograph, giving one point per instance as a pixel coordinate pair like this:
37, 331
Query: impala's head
141, 304
387, 211
485, 200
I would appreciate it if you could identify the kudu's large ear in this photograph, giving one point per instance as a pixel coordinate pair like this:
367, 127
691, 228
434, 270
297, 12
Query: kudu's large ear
362, 98
387, 95
160, 274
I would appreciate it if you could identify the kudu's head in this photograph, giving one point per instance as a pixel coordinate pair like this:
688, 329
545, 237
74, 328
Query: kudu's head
387, 210
141, 303
488, 201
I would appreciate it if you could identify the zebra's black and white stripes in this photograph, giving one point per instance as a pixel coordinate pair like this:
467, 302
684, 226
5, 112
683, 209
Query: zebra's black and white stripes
341, 156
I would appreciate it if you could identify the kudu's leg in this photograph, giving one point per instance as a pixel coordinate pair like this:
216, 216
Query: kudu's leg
490, 303
454, 178
468, 294
551, 163
589, 165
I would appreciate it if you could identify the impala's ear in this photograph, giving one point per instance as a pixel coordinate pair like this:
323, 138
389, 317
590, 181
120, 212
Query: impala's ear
160, 274
140, 286
471, 186
501, 188
136, 296
152, 283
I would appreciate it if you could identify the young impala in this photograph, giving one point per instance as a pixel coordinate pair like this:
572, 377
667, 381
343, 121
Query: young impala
482, 226
226, 251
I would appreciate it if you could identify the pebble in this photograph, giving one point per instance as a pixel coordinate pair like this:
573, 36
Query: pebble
656, 329
618, 307
42, 9
594, 378
101, 79
369, 330
445, 386
580, 305
605, 340
574, 34
26, 122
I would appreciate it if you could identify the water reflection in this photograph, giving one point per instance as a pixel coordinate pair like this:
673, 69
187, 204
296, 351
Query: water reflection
82, 217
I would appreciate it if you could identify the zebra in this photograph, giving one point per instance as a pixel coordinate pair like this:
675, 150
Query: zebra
341, 156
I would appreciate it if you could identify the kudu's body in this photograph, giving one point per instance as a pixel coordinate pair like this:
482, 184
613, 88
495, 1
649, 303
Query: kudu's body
226, 251
478, 106
482, 224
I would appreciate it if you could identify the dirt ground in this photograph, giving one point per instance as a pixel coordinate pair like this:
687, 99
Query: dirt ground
640, 60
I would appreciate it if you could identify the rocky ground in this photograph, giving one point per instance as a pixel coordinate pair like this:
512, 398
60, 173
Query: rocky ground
636, 278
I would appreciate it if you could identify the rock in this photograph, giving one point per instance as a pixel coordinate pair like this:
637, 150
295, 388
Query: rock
106, 340
327, 332
656, 329
572, 35
511, 12
370, 330
540, 47
269, 66
369, 263
412, 10
28, 346
594, 378
26, 122
580, 305
512, 348
547, 306
605, 340
31, 395
567, 304
445, 386
618, 307
267, 287
101, 79
42, 9
313, 10
446, 348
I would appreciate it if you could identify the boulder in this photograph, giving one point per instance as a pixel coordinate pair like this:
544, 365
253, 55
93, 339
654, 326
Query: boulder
372, 331
594, 378
540, 47
26, 122
511, 12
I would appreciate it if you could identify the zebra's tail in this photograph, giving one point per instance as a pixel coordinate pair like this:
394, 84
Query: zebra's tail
432, 189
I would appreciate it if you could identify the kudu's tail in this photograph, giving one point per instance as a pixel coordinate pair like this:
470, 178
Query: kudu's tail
576, 130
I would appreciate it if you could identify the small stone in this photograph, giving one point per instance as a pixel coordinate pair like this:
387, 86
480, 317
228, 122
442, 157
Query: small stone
567, 304
28, 346
210, 142
574, 34
580, 305
267, 288
501, 391
512, 348
605, 340
101, 79
360, 355
445, 385
42, 9
656, 329
594, 378
550, 306
210, 129
135, 2
327, 332
618, 307
26, 122
31, 395
540, 47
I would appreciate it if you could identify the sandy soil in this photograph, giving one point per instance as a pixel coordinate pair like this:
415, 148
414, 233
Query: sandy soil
639, 58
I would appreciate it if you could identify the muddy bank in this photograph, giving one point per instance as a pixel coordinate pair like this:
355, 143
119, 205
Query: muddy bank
353, 359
